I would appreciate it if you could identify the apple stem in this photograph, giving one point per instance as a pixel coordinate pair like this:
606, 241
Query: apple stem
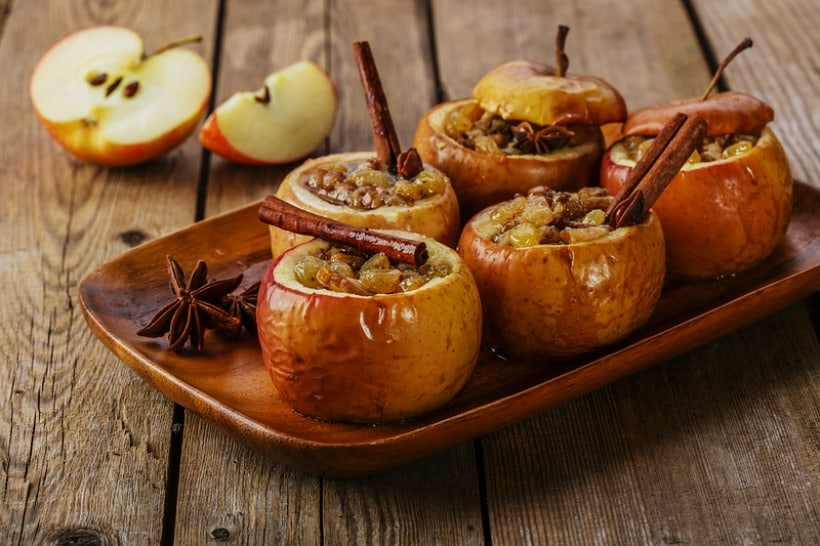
745, 44
384, 133
561, 59
194, 38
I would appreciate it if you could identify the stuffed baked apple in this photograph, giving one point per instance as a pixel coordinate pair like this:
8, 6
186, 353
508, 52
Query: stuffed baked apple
366, 326
730, 205
565, 273
527, 124
388, 189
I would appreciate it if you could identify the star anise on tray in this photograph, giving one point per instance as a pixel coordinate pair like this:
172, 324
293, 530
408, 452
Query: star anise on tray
196, 308
243, 306
540, 140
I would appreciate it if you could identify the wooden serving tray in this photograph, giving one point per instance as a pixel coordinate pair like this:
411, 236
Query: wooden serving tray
227, 383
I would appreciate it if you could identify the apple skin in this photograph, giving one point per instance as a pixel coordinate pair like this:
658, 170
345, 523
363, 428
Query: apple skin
524, 90
436, 217
721, 217
481, 179
730, 112
86, 141
548, 303
299, 114
368, 359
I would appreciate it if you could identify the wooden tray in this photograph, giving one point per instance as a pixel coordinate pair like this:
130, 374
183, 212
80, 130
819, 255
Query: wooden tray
228, 385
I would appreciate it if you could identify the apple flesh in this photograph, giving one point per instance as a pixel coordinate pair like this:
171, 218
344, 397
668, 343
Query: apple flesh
105, 102
285, 121
551, 302
436, 216
719, 217
370, 359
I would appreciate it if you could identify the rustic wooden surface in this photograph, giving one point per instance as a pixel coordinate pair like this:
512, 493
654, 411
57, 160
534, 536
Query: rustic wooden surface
716, 446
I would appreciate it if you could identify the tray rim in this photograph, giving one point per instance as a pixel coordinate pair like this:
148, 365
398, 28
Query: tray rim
278, 444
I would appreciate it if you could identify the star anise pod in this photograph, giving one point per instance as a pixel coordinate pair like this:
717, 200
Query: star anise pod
195, 308
243, 306
540, 140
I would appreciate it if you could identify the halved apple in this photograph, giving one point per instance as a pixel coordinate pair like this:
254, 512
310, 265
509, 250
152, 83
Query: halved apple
369, 358
107, 103
431, 208
555, 280
287, 119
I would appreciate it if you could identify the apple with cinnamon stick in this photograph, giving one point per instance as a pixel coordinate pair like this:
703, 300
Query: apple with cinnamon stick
730, 205
527, 124
564, 273
385, 189
361, 325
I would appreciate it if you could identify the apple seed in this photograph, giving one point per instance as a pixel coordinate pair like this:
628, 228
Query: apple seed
111, 88
131, 89
99, 79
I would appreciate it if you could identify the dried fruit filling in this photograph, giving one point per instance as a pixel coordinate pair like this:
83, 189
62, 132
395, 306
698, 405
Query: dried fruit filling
342, 269
713, 148
369, 185
547, 217
479, 130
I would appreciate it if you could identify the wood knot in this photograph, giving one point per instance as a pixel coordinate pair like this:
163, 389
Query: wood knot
80, 537
132, 237
221, 534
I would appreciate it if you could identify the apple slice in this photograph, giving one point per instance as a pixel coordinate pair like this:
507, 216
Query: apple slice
107, 103
284, 121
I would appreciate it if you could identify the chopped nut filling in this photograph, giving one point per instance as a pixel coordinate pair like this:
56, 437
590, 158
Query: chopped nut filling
342, 269
487, 133
547, 217
713, 148
369, 185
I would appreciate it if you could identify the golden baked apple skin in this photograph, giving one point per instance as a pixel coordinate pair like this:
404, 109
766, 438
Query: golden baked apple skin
720, 217
552, 302
481, 179
369, 359
436, 216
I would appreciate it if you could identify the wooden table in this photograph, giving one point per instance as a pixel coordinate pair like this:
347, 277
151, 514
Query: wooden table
717, 445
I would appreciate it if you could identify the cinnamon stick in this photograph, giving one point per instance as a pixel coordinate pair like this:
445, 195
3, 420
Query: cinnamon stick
655, 170
384, 132
279, 213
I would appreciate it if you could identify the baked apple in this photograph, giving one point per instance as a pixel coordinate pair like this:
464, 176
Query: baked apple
730, 205
555, 279
384, 189
527, 124
356, 336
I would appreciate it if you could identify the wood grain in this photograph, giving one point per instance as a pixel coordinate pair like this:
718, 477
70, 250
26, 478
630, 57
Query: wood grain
84, 441
790, 82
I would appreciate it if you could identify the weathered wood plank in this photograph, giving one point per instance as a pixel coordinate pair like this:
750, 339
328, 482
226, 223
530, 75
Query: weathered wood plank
226, 491
353, 512
781, 68
83, 441
696, 449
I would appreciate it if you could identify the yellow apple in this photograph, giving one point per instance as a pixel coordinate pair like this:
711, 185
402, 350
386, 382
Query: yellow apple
513, 99
548, 302
107, 103
436, 216
373, 358
284, 121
